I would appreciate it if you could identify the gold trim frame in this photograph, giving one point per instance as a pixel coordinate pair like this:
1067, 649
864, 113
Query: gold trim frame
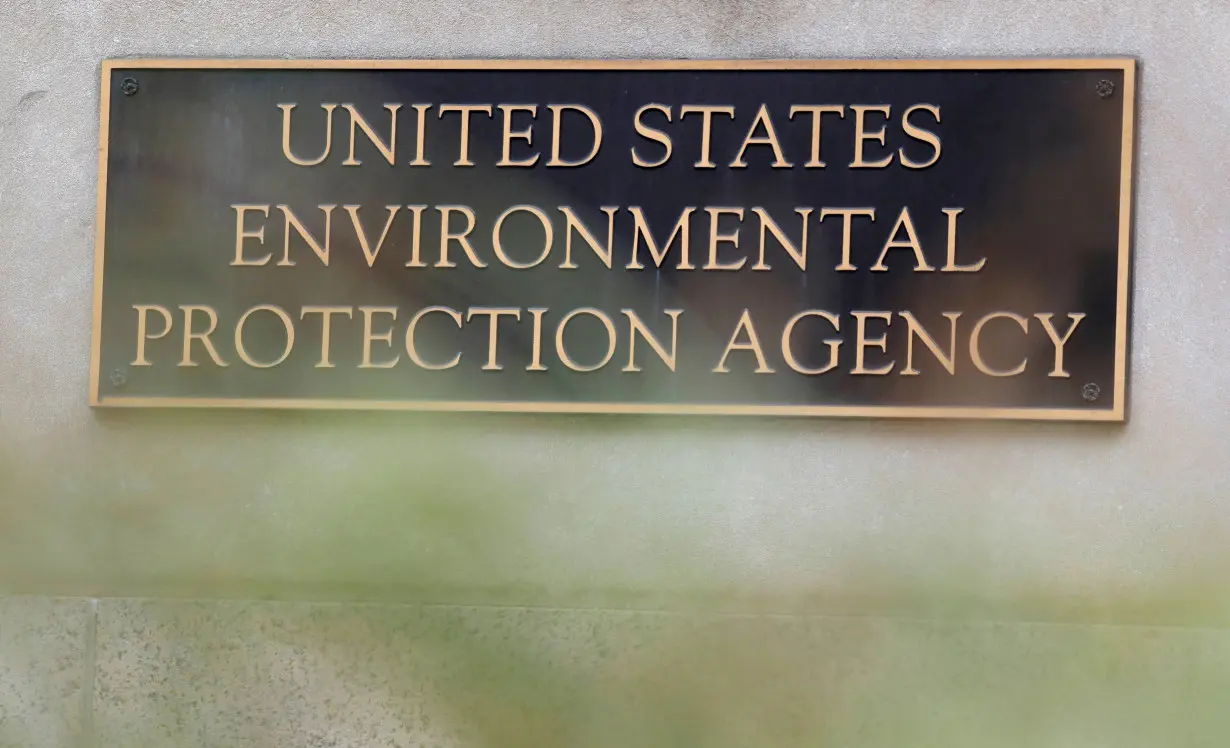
1117, 412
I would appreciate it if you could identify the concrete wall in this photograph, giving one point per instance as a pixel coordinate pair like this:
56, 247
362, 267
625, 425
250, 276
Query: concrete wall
971, 522
230, 674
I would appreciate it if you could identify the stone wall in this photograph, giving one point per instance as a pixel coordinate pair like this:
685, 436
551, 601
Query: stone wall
126, 672
960, 524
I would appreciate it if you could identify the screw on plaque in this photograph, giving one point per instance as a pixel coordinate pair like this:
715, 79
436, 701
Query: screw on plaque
118, 378
129, 86
1105, 88
1091, 392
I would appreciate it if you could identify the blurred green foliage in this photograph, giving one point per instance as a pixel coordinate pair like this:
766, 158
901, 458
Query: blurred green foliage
921, 666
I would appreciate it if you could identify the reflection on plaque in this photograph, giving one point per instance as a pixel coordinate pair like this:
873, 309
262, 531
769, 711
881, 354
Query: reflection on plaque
907, 239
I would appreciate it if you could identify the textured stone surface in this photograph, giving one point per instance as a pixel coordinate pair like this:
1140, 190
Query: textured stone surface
44, 671
1015, 516
279, 675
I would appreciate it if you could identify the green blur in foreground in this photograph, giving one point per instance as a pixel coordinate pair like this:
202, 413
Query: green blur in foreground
292, 674
414, 517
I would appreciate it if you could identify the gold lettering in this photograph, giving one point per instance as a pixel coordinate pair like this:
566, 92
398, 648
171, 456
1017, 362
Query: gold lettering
716, 238
447, 235
421, 132
364, 244
862, 342
559, 339
189, 335
557, 111
388, 150
655, 135
143, 329
911, 242
951, 266
753, 344
416, 211
292, 221
834, 344
290, 336
706, 113
797, 252
847, 218
527, 134
769, 139
412, 351
498, 243
641, 229
326, 319
918, 133
975, 352
913, 328
286, 110
369, 312
637, 327
816, 113
241, 233
536, 354
1057, 341
464, 110
861, 136
571, 222
493, 314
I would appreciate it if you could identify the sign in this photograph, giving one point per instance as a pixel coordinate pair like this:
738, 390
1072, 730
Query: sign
944, 239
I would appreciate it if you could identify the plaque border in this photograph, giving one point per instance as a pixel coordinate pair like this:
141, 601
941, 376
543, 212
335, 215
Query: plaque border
1116, 413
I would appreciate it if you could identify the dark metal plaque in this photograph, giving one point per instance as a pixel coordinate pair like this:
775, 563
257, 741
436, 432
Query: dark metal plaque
909, 239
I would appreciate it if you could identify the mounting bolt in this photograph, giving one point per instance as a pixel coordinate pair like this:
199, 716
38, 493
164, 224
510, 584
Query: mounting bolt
1091, 392
129, 86
1105, 89
118, 378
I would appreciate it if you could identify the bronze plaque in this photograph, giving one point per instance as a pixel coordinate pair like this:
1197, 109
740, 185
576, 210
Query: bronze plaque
944, 239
